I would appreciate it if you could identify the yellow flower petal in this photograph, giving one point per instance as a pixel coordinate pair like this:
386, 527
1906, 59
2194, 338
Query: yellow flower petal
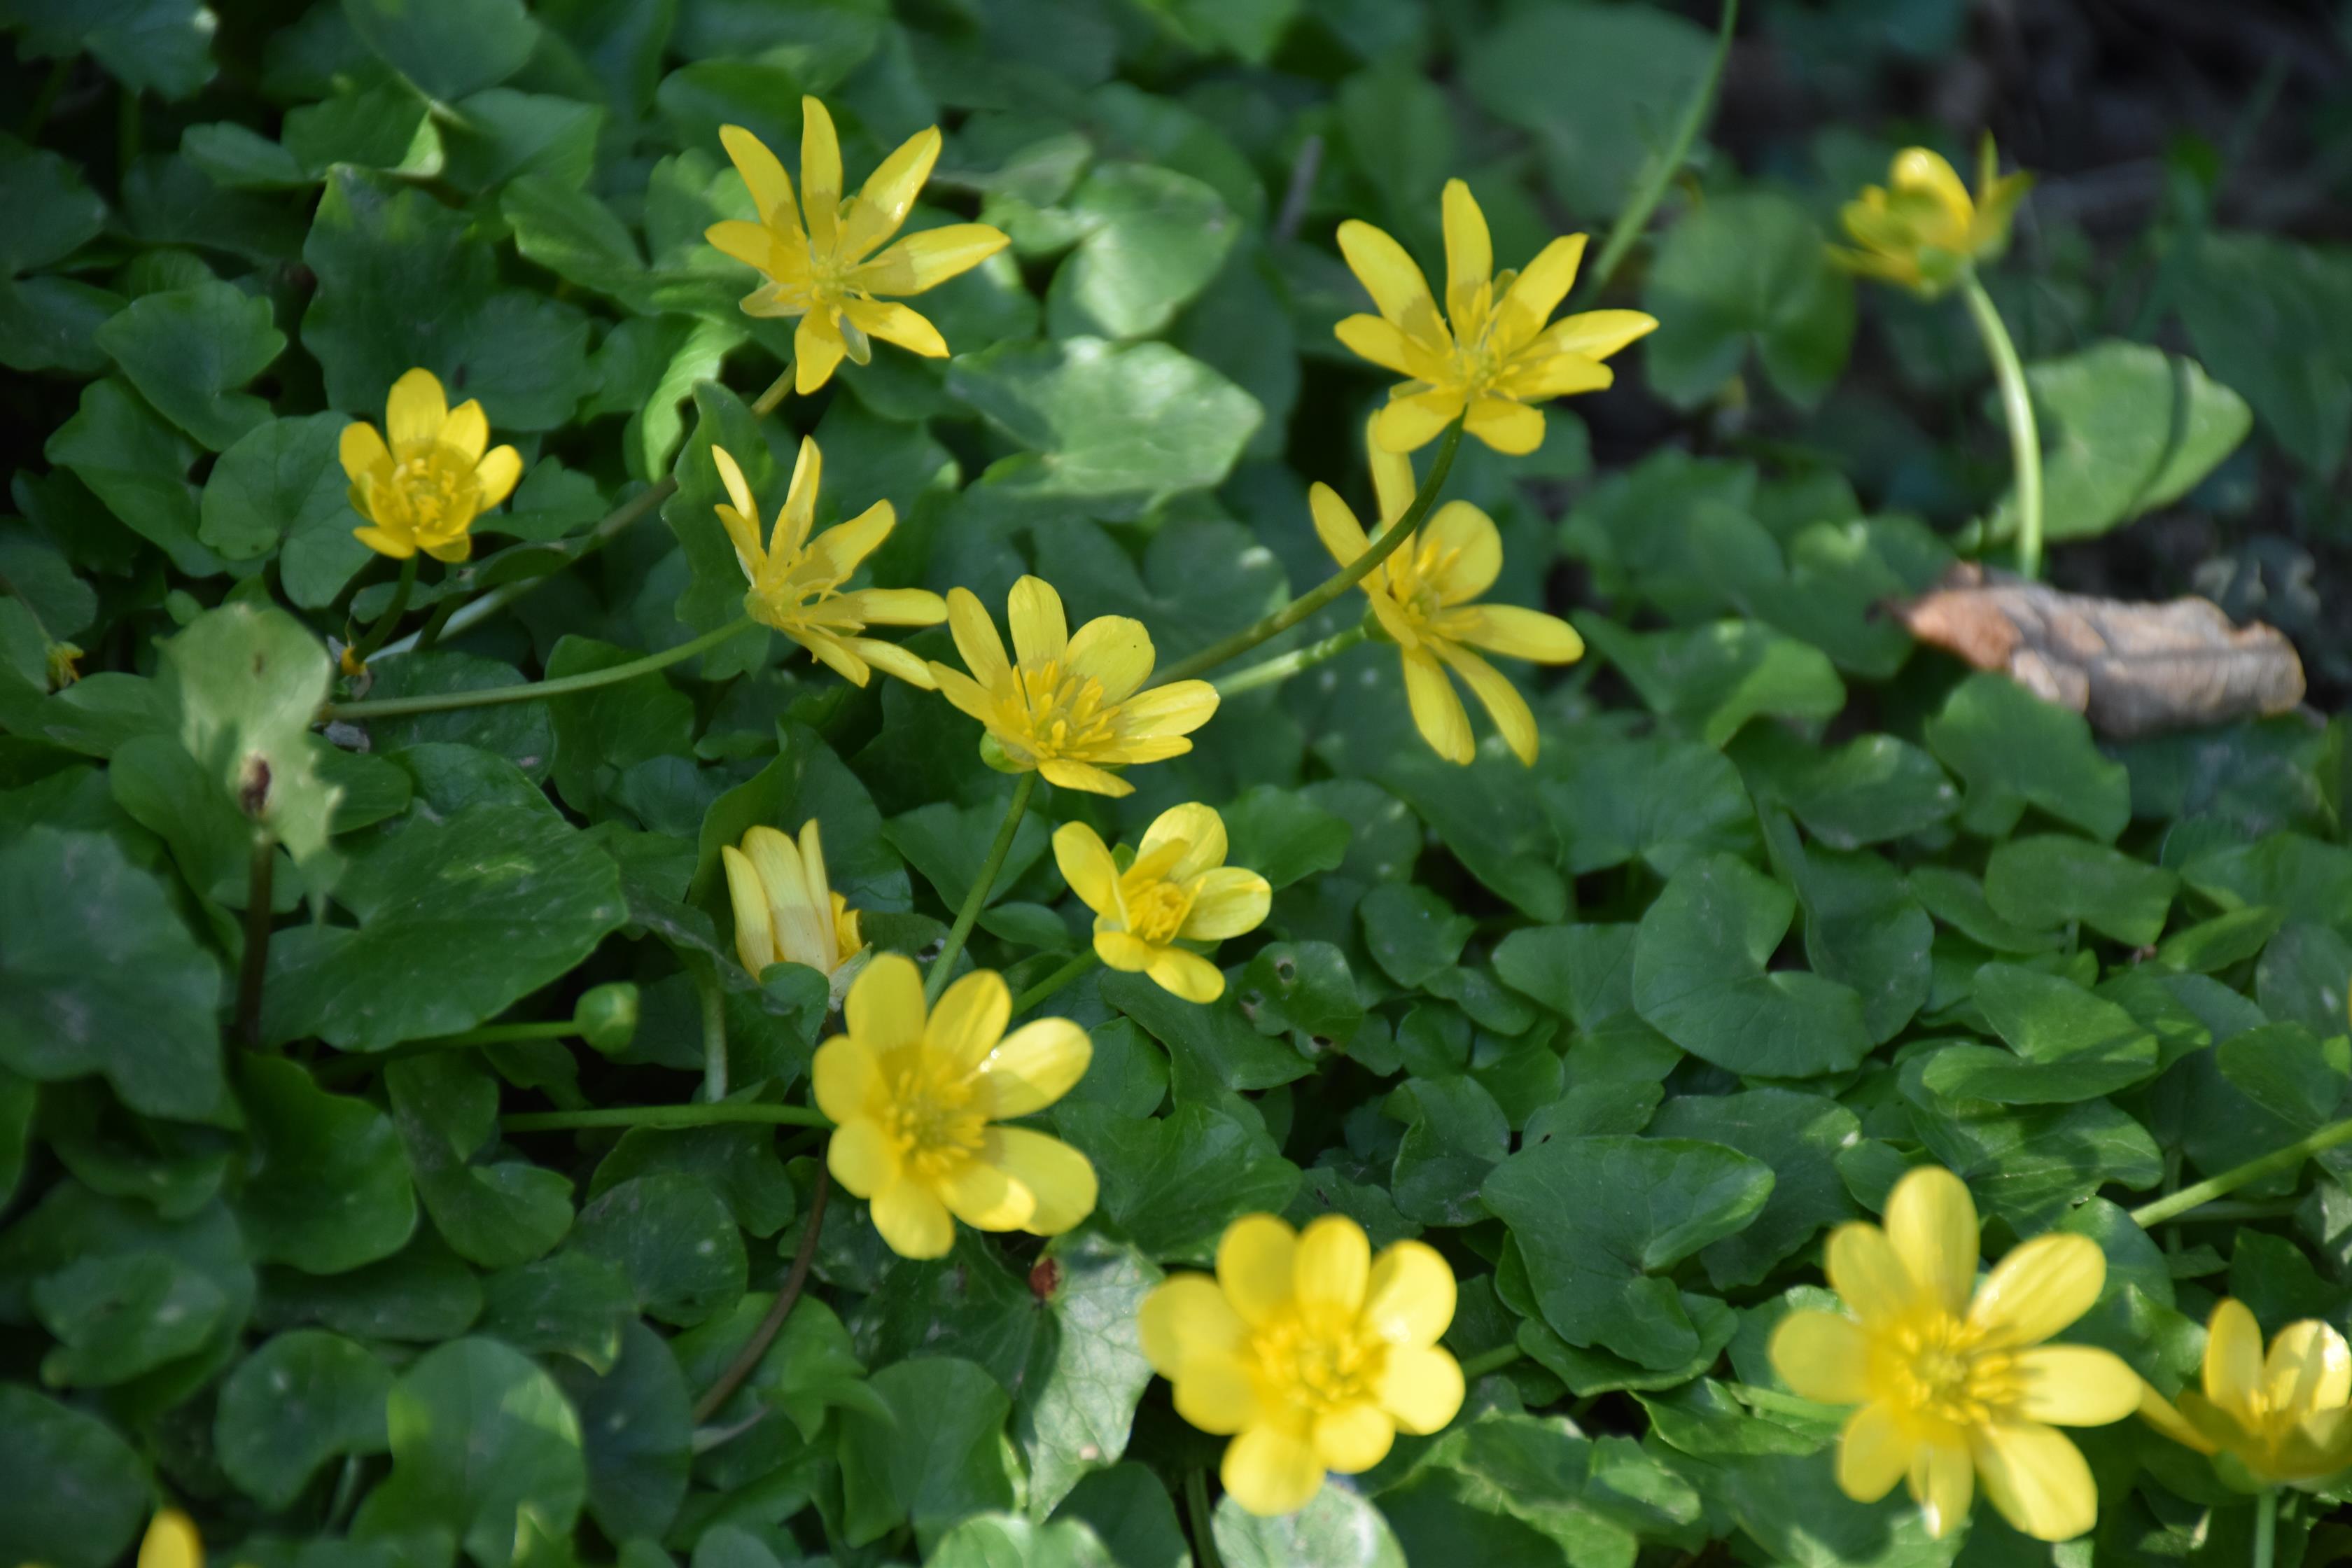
898, 607
1064, 773
2035, 1477
1931, 1223
1864, 1271
364, 451
1409, 1294
1823, 1356
1353, 1438
2076, 1385
1217, 1395
1392, 480
171, 1543
763, 176
1511, 428
1920, 169
1595, 334
981, 650
1086, 867
1469, 251
840, 549
1437, 712
889, 191
913, 1220
885, 1008
1873, 1453
1270, 1472
1254, 1265
1040, 630
819, 175
384, 543
1226, 901
2309, 1369
1114, 650
1943, 1480
755, 938
970, 1019
1538, 290
1421, 1388
896, 323
1186, 975
2041, 1287
1036, 1065
985, 1196
1058, 1177
2159, 1412
495, 477
1196, 827
1536, 379
800, 927
1121, 951
1332, 1263
1390, 276
2233, 1356
1514, 721
1185, 1317
414, 412
922, 261
449, 550
1376, 339
748, 243
467, 429
1459, 551
818, 348
1178, 707
1335, 524
1409, 424
1513, 632
861, 1158
846, 1079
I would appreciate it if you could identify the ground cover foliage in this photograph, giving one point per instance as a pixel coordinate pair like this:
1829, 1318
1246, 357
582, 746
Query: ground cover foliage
1782, 907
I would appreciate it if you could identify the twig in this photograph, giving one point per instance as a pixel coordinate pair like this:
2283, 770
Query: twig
747, 1360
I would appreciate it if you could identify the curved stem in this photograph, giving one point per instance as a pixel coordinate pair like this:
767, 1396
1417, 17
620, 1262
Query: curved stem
1281, 667
2265, 1527
534, 690
944, 965
373, 640
1055, 981
747, 1361
1204, 1532
1494, 1360
2017, 412
1635, 217
2229, 1180
778, 390
1332, 587
667, 1116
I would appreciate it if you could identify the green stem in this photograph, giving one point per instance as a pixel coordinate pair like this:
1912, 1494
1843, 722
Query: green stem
502, 1034
364, 650
1635, 217
2277, 1161
1055, 981
778, 390
435, 623
2265, 1527
1332, 587
1204, 1532
714, 1031
260, 871
747, 1361
1281, 667
944, 965
1494, 1360
2017, 412
734, 1112
534, 690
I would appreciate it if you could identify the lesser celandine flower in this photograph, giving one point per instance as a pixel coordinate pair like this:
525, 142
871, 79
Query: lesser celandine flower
1922, 229
1309, 1351
817, 254
1422, 596
785, 910
796, 580
1179, 889
1956, 1387
424, 490
1489, 354
918, 1098
2281, 1420
1067, 707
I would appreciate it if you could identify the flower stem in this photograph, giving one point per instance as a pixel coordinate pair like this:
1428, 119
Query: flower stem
2265, 1527
2172, 1206
1332, 587
1494, 1360
778, 390
1635, 217
944, 965
1196, 1507
255, 970
714, 1031
534, 690
2017, 412
747, 1361
373, 638
1055, 981
669, 1116
1281, 667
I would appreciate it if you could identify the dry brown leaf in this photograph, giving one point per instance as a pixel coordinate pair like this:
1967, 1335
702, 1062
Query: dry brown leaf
2131, 668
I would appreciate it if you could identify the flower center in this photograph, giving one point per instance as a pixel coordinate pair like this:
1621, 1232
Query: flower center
434, 490
1062, 713
1316, 1359
1937, 1366
935, 1116
1156, 910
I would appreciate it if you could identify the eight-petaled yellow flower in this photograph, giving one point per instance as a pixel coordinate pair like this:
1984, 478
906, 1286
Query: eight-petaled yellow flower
1306, 1350
1490, 353
1422, 597
1068, 706
1179, 889
785, 910
918, 1102
1922, 229
2283, 1420
1956, 1387
425, 489
796, 580
818, 255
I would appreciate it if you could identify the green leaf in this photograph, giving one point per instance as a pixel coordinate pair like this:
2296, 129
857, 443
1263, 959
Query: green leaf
1699, 978
2070, 1044
932, 1459
52, 212
1008, 1540
675, 1242
948, 843
155, 46
1076, 1399
100, 975
124, 1314
481, 1441
138, 464
1173, 1183
1282, 836
1658, 801
494, 1213
78, 1492
2126, 428
1585, 973
303, 1398
2048, 880
2030, 1164
1212, 1043
281, 478
2303, 978
330, 1188
2308, 878
1599, 1219
429, 900
1303, 987
1454, 1134
235, 157
2012, 750
1150, 239
1863, 927
2273, 319
447, 47
419, 1295
637, 1423
2287, 1070
1130, 1513
1490, 816
1337, 1529
1799, 1137
248, 684
1873, 789
1411, 933
567, 1303
1115, 429
188, 349
1712, 679
1746, 270
602, 733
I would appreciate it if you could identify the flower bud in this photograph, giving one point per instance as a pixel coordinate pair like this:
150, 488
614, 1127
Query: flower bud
606, 1018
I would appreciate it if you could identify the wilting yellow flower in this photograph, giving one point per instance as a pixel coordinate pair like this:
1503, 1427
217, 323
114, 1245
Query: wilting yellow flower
785, 910
1071, 705
1954, 1388
823, 271
171, 1543
424, 491
1422, 597
1490, 353
1179, 890
2283, 1421
796, 582
1309, 1351
1922, 229
916, 1100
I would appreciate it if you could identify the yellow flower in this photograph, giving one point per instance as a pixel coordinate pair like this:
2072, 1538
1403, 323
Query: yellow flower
1922, 229
1309, 1351
785, 910
824, 271
171, 1543
918, 1102
1955, 1388
1490, 353
796, 580
1422, 597
2286, 1421
1072, 706
424, 491
1179, 889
